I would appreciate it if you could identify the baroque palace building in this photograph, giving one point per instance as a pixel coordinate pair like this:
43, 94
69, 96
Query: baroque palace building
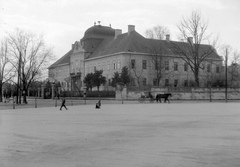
108, 49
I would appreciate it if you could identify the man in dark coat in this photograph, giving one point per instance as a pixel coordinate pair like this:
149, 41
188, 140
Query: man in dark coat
63, 104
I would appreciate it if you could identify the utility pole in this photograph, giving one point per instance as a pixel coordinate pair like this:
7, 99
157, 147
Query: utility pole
226, 82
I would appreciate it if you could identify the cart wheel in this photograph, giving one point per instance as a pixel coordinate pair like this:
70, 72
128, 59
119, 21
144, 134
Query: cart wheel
151, 100
141, 99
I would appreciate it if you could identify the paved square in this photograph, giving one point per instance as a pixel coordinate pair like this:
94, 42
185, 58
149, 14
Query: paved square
128, 135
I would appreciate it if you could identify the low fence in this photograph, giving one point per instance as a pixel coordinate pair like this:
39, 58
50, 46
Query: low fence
183, 94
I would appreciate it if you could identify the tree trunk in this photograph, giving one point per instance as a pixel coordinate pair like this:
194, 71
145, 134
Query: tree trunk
24, 92
1, 90
196, 75
25, 96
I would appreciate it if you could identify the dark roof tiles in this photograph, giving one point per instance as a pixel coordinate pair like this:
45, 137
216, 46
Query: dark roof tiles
134, 42
63, 60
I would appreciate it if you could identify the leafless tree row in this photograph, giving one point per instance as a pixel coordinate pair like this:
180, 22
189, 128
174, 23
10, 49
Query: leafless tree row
24, 56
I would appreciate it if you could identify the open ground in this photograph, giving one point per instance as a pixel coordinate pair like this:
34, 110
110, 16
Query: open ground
122, 135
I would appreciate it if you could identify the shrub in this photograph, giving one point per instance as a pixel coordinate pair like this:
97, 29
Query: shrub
101, 94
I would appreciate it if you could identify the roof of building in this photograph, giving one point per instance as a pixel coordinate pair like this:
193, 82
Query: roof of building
63, 60
131, 42
136, 43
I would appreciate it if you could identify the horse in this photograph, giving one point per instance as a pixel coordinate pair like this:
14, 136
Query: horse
164, 96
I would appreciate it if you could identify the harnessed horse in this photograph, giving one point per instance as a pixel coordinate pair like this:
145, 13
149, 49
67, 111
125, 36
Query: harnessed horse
164, 96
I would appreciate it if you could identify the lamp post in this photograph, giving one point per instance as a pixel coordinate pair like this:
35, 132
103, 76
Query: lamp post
226, 82
85, 94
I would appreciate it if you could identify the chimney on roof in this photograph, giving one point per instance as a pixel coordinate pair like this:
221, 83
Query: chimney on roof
131, 28
190, 40
167, 37
117, 32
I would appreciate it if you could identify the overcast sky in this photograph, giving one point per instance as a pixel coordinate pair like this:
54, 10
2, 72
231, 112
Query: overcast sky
64, 21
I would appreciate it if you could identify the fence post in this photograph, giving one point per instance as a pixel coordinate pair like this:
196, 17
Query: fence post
36, 101
13, 103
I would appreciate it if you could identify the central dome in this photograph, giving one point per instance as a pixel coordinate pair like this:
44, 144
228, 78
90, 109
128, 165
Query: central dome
99, 31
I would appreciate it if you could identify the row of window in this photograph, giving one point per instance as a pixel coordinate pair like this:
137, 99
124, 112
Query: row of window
166, 66
115, 65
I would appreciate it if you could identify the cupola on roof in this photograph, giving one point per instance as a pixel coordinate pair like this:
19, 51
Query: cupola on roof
99, 31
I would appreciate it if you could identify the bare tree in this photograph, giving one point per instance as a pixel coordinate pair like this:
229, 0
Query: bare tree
212, 76
157, 32
30, 56
6, 72
233, 69
159, 61
198, 48
236, 57
136, 70
233, 66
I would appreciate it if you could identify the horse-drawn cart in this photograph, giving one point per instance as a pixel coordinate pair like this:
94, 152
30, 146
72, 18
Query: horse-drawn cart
148, 96
144, 97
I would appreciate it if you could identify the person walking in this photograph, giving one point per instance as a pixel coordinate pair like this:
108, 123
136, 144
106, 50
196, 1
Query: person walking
63, 104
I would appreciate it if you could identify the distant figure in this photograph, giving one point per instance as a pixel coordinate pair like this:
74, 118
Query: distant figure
58, 95
63, 104
150, 95
98, 104
5, 95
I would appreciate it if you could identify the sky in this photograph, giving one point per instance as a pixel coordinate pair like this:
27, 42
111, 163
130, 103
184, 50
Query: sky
62, 22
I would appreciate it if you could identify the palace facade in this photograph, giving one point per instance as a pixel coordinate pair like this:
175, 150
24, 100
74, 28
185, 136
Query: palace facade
148, 60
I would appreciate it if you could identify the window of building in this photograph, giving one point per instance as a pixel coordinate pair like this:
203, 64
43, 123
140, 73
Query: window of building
99, 67
144, 64
208, 68
166, 82
133, 65
77, 67
185, 67
133, 83
175, 82
156, 66
208, 83
144, 81
166, 65
217, 69
155, 82
95, 68
103, 66
186, 83
108, 66
114, 65
118, 64
175, 66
